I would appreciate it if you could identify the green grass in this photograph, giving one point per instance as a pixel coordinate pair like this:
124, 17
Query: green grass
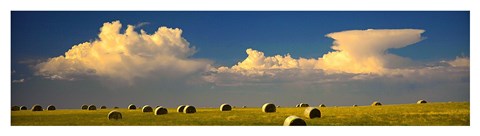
431, 114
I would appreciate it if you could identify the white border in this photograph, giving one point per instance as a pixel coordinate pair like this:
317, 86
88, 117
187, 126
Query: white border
216, 5
143, 5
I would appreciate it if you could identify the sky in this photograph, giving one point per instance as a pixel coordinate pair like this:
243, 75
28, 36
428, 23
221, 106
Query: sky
242, 58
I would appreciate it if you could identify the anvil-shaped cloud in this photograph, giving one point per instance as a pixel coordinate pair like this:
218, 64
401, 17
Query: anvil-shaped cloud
358, 54
356, 51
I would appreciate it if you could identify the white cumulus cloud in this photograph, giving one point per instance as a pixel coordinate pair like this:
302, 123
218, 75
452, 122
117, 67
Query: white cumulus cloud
357, 55
459, 62
126, 56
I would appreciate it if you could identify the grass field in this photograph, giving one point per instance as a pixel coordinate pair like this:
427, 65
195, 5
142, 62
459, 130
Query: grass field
431, 114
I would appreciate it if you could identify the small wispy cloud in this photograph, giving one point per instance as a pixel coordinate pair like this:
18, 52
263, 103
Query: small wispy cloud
18, 81
141, 24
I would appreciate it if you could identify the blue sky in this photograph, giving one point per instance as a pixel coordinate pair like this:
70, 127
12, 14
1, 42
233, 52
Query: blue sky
302, 33
222, 38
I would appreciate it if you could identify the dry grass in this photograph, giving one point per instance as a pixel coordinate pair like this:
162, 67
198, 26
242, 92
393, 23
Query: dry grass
430, 114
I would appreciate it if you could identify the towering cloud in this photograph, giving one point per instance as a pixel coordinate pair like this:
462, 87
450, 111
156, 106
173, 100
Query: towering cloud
126, 56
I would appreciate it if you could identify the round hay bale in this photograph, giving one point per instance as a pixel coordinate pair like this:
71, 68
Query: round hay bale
51, 108
189, 109
304, 105
421, 101
15, 108
294, 121
268, 107
225, 107
132, 107
376, 103
322, 105
103, 107
312, 112
147, 108
160, 110
23, 108
92, 107
180, 108
115, 107
37, 108
355, 105
114, 115
84, 107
